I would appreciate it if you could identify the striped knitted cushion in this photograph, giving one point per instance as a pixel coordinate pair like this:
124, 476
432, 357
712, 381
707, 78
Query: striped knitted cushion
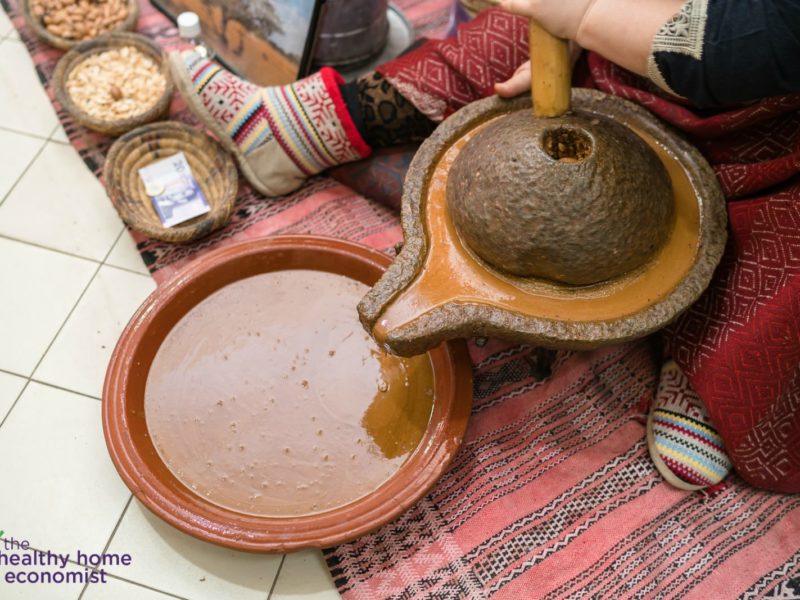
308, 118
280, 135
681, 435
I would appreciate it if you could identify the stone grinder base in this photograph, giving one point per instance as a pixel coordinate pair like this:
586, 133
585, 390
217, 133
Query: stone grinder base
438, 289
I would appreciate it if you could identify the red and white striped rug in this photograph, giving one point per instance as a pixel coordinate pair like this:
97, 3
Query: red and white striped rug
554, 496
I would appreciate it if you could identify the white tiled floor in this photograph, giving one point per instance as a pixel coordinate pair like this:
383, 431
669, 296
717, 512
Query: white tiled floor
56, 203
24, 106
70, 278
78, 357
40, 288
5, 25
304, 575
196, 569
10, 388
66, 494
125, 256
16, 153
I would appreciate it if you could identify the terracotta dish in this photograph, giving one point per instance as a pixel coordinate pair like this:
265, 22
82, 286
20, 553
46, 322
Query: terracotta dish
162, 488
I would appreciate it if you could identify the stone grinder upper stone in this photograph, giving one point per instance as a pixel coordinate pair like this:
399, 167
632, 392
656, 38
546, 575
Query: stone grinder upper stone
583, 223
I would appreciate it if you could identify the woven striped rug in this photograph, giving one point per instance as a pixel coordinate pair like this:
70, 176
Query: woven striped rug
553, 494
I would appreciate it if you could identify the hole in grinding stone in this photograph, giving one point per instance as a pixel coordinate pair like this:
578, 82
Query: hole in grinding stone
567, 145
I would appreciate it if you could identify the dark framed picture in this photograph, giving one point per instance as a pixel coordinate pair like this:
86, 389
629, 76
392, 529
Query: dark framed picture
269, 42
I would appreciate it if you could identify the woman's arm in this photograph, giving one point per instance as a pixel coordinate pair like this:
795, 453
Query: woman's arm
729, 52
714, 53
620, 30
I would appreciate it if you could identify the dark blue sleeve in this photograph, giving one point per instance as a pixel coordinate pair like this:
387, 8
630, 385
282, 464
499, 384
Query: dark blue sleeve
747, 50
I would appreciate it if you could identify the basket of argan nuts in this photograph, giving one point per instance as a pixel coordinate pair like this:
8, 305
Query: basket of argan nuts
66, 23
114, 83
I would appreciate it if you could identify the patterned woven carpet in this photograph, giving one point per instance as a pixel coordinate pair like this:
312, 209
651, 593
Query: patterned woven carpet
553, 494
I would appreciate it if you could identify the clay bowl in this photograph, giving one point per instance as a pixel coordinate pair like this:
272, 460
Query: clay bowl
440, 289
143, 471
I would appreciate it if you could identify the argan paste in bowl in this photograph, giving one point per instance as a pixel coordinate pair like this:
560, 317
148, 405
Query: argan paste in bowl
269, 398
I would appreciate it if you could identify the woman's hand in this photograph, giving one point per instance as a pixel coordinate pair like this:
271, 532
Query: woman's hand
562, 18
520, 81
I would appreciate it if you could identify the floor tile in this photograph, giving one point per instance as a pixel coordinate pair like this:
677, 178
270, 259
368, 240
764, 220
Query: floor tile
10, 387
78, 358
125, 255
24, 105
16, 152
59, 135
304, 576
61, 491
121, 590
5, 24
166, 559
63, 590
60, 204
40, 287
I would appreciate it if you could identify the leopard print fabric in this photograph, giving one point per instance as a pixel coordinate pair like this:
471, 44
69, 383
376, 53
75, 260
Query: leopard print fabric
388, 118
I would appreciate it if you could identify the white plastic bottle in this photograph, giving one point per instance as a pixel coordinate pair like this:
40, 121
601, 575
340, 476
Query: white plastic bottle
189, 29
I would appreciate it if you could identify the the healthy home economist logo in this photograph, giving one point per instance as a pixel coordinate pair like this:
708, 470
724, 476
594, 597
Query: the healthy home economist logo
22, 564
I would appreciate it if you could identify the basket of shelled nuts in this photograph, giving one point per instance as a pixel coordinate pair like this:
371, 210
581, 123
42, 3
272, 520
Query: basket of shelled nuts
114, 83
66, 23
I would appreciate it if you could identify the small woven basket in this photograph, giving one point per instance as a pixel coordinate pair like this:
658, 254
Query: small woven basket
211, 165
65, 44
102, 44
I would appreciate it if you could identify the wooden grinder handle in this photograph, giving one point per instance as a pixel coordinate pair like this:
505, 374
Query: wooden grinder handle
551, 73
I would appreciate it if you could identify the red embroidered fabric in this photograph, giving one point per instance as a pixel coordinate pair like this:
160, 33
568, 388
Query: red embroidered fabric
440, 77
740, 343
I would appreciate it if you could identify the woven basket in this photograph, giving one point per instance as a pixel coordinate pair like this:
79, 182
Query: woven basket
65, 44
211, 165
102, 44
